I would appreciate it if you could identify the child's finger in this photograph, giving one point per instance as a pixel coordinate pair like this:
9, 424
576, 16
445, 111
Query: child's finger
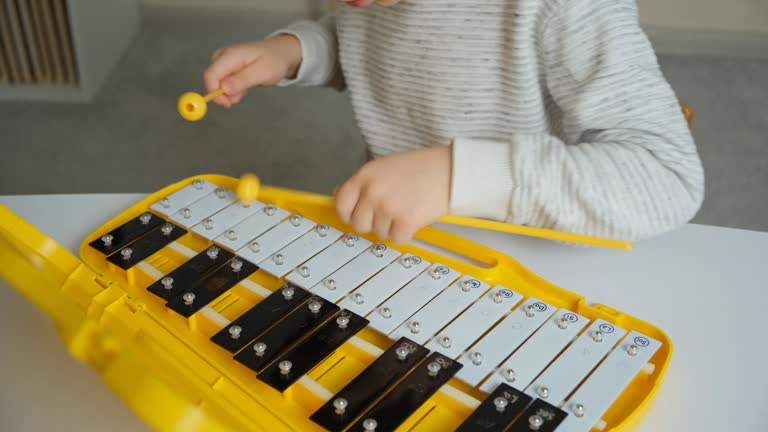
235, 99
223, 101
252, 75
362, 217
402, 232
230, 61
216, 54
346, 200
381, 225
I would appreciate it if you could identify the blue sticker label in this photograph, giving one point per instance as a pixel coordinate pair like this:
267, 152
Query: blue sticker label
474, 283
607, 328
572, 318
443, 270
642, 342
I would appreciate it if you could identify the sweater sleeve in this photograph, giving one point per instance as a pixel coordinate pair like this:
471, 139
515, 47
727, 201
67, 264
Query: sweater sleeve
319, 46
623, 163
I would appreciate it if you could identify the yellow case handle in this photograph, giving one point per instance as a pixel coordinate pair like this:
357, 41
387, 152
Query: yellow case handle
248, 190
536, 232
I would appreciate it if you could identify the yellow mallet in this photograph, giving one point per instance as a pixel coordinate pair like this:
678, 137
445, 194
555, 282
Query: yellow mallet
248, 191
193, 106
248, 188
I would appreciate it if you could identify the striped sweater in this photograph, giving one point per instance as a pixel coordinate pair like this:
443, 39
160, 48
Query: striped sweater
557, 111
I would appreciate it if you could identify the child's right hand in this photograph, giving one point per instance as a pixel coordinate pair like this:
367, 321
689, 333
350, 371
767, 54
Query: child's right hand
237, 68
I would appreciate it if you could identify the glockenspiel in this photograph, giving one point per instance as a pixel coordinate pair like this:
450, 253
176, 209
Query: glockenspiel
207, 313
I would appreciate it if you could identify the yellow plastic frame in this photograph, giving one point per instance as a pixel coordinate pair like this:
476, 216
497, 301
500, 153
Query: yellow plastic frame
167, 371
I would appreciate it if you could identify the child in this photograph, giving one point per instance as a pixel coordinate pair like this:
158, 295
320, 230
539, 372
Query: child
551, 113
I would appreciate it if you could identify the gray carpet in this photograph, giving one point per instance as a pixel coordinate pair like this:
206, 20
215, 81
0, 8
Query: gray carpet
132, 140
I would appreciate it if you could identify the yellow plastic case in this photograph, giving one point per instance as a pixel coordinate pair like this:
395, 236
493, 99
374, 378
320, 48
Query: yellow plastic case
172, 376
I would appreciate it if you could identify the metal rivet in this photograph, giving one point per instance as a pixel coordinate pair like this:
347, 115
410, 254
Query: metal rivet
433, 368
279, 259
314, 306
235, 331
145, 218
436, 273
270, 210
330, 284
231, 235
500, 403
378, 249
497, 297
167, 229
342, 321
406, 262
188, 298
107, 239
260, 348
322, 230
466, 286
165, 202
529, 311
126, 253
358, 298
402, 352
186, 213
213, 252
339, 405
254, 246
350, 240
597, 336
509, 374
415, 327
535, 422
386, 312
562, 323
632, 350
543, 392
369, 425
445, 342
236, 265
288, 292
578, 410
296, 220
477, 358
304, 271
208, 224
220, 193
197, 184
167, 282
285, 367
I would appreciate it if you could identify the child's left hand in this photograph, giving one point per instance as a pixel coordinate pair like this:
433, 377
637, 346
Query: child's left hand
397, 195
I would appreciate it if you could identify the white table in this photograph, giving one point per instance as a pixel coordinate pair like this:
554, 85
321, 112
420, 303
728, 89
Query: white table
703, 285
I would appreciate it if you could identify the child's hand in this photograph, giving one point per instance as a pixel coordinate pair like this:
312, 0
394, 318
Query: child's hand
397, 195
240, 67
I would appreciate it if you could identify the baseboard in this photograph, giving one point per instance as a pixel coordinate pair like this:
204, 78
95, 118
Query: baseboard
668, 41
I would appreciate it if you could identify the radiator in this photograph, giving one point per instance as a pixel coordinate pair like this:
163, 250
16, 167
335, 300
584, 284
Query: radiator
36, 43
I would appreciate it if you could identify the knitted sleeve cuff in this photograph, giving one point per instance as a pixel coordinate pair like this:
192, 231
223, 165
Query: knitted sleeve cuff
481, 184
318, 47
